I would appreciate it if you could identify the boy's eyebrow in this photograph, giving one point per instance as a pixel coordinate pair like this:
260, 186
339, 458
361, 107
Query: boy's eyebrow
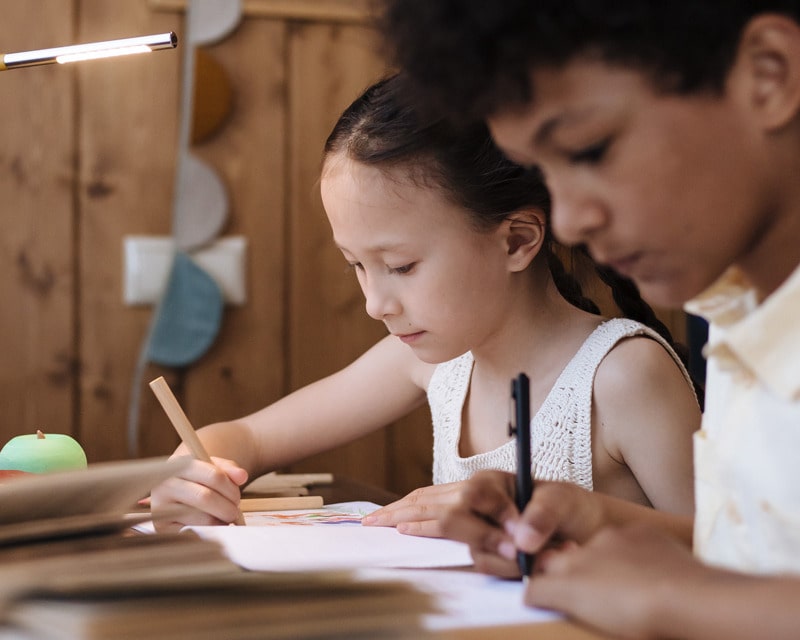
545, 130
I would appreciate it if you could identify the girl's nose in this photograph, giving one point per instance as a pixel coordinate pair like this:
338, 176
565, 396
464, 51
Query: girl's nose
380, 301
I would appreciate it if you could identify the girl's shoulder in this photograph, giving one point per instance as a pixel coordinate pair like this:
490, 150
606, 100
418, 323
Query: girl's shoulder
613, 330
634, 351
609, 334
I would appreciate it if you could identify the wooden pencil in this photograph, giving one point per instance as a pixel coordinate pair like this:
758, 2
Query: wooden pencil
282, 503
182, 425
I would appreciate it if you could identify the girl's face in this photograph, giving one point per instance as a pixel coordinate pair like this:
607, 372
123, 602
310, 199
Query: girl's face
435, 281
668, 190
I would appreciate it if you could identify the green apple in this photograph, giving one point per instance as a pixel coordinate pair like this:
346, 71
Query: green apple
42, 453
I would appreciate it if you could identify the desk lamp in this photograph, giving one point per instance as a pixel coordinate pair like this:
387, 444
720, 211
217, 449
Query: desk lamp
89, 51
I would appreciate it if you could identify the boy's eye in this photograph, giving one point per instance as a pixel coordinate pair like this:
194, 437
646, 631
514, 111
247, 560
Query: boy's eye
590, 155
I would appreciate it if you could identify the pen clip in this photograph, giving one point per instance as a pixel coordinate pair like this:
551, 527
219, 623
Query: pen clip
512, 413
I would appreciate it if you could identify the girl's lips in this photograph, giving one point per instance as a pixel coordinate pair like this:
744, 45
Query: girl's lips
410, 337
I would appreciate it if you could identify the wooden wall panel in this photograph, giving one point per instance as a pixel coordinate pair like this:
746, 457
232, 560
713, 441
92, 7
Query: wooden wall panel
127, 147
37, 248
246, 368
328, 326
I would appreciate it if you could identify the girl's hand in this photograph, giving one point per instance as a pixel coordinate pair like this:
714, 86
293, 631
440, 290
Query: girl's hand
419, 513
207, 493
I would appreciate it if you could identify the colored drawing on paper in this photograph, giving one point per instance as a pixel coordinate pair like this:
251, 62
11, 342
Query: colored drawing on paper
343, 514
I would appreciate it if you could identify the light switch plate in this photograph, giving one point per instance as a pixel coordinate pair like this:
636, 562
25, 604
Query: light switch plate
147, 261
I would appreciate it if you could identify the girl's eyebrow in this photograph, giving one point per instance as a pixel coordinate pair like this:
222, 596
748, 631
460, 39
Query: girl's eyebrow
378, 248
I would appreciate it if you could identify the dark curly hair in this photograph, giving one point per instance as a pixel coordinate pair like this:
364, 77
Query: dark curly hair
382, 129
469, 58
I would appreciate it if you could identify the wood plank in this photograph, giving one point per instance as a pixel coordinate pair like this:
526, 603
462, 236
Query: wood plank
246, 367
37, 280
328, 327
127, 147
346, 11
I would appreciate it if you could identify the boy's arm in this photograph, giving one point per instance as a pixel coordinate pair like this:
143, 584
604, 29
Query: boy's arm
636, 582
620, 567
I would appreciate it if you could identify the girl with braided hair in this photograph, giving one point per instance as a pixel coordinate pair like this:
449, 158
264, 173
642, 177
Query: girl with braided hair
451, 246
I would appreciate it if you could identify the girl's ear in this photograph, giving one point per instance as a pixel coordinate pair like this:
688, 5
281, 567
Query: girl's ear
767, 69
523, 234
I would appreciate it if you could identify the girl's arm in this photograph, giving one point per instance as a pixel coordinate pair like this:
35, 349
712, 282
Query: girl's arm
382, 385
644, 415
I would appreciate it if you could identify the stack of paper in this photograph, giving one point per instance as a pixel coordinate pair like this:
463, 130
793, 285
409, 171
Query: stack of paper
226, 605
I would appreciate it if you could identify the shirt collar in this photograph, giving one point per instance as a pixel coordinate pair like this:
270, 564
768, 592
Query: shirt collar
763, 337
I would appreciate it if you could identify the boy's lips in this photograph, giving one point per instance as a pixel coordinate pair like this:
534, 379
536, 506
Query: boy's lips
623, 265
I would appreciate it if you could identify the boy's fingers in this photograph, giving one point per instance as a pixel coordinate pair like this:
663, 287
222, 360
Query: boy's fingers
490, 495
495, 565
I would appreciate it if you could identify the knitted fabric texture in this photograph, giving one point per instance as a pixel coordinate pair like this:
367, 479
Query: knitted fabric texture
561, 430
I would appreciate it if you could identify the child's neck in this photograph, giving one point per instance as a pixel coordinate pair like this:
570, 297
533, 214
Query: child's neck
538, 334
541, 344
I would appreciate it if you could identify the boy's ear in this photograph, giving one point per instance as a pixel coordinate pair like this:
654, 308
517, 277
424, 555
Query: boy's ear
768, 62
524, 233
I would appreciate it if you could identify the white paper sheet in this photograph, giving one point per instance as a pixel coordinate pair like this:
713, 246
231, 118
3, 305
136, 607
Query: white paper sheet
332, 538
467, 599
302, 548
329, 538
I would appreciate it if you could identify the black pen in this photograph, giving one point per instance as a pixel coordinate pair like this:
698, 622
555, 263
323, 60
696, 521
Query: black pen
520, 426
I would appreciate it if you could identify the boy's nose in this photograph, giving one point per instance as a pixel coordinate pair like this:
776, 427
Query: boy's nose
576, 219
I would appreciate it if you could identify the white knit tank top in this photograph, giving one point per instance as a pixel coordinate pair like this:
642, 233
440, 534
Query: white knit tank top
561, 431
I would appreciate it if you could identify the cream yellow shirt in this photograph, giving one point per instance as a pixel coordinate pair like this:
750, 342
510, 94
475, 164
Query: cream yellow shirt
747, 454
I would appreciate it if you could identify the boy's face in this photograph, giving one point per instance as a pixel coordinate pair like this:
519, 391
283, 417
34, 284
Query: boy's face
668, 190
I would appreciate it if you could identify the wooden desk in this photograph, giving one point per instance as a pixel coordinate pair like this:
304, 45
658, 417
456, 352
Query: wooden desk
544, 631
347, 490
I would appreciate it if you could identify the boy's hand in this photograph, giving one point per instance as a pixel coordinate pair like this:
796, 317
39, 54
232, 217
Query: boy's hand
486, 518
637, 563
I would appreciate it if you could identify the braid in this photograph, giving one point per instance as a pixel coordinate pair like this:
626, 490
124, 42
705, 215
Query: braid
624, 292
627, 297
630, 302
568, 285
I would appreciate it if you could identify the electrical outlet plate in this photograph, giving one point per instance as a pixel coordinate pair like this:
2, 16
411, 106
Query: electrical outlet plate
147, 261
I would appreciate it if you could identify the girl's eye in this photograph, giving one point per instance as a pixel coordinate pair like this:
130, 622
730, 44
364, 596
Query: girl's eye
356, 266
590, 155
406, 268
